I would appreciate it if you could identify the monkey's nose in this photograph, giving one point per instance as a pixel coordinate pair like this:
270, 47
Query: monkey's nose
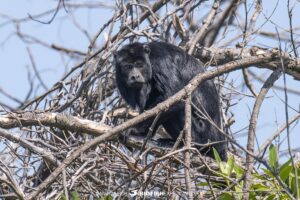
134, 77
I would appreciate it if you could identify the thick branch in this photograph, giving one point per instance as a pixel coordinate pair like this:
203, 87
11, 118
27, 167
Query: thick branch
61, 121
218, 56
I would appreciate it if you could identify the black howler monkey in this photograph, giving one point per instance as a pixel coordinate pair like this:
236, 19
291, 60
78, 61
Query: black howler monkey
149, 73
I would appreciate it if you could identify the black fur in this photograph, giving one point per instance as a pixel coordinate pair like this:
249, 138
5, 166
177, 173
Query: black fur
148, 74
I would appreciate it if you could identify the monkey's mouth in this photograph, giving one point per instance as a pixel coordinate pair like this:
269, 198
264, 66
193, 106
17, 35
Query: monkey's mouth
135, 83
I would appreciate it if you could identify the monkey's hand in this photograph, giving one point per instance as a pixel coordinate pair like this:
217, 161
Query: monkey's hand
131, 131
164, 142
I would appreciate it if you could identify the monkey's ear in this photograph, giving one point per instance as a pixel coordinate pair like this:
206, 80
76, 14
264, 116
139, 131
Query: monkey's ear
116, 57
146, 49
115, 54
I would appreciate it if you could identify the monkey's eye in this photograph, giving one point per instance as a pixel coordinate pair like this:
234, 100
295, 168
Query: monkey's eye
128, 66
139, 65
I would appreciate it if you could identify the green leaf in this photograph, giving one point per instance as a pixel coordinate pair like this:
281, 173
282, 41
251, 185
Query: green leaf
260, 187
273, 157
219, 161
238, 189
75, 195
287, 163
217, 156
267, 172
229, 165
108, 197
202, 184
271, 197
63, 197
226, 196
293, 186
238, 170
285, 171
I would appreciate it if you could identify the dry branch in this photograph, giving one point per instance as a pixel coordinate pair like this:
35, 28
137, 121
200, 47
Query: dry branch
218, 56
64, 122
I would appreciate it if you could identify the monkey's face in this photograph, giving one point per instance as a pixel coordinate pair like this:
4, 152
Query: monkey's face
135, 74
133, 67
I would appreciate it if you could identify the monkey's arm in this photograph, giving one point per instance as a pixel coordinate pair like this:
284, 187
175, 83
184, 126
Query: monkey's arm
142, 129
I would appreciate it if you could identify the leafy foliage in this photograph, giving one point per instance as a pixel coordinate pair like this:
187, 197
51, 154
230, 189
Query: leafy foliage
264, 182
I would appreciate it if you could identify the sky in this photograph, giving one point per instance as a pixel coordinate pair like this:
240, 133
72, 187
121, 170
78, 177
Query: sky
51, 65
